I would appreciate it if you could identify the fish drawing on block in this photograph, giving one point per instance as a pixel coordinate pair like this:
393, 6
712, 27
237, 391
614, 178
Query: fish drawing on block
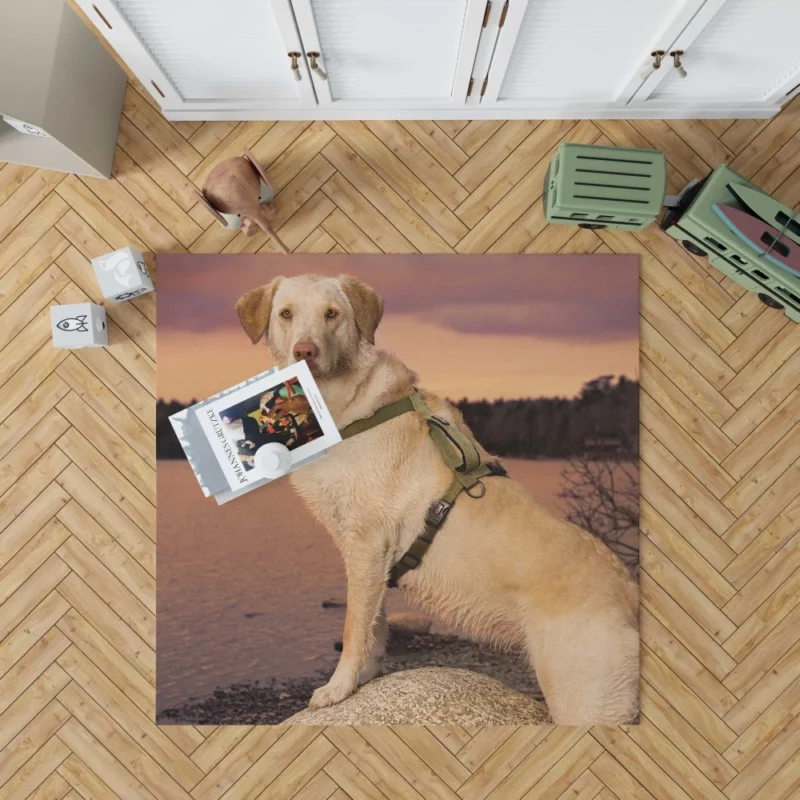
767, 208
120, 265
763, 238
74, 324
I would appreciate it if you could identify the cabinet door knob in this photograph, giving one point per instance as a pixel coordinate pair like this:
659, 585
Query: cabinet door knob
676, 60
295, 66
313, 56
657, 55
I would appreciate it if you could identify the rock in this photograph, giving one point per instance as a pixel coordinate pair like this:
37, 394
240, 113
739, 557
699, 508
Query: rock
409, 622
430, 696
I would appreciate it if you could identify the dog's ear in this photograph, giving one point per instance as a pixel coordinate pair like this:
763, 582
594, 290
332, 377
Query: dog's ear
254, 309
367, 305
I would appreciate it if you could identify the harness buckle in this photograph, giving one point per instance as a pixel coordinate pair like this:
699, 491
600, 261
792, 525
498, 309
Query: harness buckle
410, 560
437, 513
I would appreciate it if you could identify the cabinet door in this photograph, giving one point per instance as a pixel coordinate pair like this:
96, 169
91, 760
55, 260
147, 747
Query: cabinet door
390, 54
735, 51
573, 54
207, 55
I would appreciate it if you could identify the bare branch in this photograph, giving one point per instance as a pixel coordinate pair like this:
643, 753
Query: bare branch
602, 497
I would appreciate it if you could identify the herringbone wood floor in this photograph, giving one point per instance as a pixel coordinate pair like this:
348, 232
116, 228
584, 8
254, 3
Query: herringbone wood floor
720, 475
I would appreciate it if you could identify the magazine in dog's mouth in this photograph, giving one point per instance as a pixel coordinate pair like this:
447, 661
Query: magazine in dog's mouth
281, 406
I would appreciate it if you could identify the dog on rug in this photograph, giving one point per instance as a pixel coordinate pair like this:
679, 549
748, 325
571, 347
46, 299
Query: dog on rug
502, 568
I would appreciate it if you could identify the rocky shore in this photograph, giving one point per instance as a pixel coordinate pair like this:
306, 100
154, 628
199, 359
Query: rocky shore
411, 645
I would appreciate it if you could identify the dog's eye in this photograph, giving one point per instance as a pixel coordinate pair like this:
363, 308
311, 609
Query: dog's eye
286, 313
331, 313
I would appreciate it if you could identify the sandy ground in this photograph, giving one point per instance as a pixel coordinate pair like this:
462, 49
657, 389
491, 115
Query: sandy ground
256, 704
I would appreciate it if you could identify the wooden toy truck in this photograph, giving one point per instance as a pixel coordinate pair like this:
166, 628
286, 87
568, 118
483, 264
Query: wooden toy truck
625, 189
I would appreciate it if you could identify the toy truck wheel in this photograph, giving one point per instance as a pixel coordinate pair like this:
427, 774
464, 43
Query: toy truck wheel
592, 226
770, 301
693, 248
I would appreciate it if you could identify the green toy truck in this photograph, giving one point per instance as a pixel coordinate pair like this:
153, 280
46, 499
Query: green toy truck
605, 187
701, 231
625, 189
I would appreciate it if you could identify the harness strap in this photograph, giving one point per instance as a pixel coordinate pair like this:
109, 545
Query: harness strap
446, 437
436, 516
458, 451
382, 415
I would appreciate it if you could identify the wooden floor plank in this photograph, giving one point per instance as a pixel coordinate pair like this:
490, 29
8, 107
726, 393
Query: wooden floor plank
151, 196
500, 181
684, 556
159, 131
31, 738
438, 144
12, 176
25, 199
110, 625
30, 267
402, 180
30, 230
144, 153
384, 198
109, 588
109, 480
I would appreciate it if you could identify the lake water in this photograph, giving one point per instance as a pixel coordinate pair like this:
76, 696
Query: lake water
240, 586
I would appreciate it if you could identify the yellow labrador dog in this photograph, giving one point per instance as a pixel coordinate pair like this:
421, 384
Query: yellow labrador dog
502, 568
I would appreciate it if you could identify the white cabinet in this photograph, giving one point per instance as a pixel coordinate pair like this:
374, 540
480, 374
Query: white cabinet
390, 54
735, 51
206, 56
568, 52
429, 59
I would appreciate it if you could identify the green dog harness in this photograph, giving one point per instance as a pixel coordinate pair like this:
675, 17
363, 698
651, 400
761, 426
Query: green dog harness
457, 450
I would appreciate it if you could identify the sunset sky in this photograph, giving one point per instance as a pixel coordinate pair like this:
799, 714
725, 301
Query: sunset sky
471, 326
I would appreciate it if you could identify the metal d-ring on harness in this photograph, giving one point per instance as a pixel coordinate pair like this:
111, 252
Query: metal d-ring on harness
460, 454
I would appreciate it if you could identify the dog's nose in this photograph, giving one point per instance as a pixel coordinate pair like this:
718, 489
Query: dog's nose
305, 350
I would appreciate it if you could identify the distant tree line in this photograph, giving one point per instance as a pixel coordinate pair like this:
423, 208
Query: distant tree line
603, 420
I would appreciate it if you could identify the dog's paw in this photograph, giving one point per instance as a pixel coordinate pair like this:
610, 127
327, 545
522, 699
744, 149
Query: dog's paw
329, 695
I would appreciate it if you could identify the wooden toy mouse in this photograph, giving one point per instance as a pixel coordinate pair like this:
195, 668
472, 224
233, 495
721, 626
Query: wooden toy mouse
238, 194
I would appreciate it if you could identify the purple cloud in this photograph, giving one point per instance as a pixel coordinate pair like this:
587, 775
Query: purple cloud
560, 297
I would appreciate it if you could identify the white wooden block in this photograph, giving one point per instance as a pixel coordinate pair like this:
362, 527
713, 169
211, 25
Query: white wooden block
122, 274
78, 325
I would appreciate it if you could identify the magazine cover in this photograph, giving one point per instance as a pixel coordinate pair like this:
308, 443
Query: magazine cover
284, 407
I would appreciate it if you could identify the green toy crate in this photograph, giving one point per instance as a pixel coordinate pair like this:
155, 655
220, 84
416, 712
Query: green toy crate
695, 224
605, 187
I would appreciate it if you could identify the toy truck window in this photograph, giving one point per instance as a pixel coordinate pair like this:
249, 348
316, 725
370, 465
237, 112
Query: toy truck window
775, 244
792, 225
